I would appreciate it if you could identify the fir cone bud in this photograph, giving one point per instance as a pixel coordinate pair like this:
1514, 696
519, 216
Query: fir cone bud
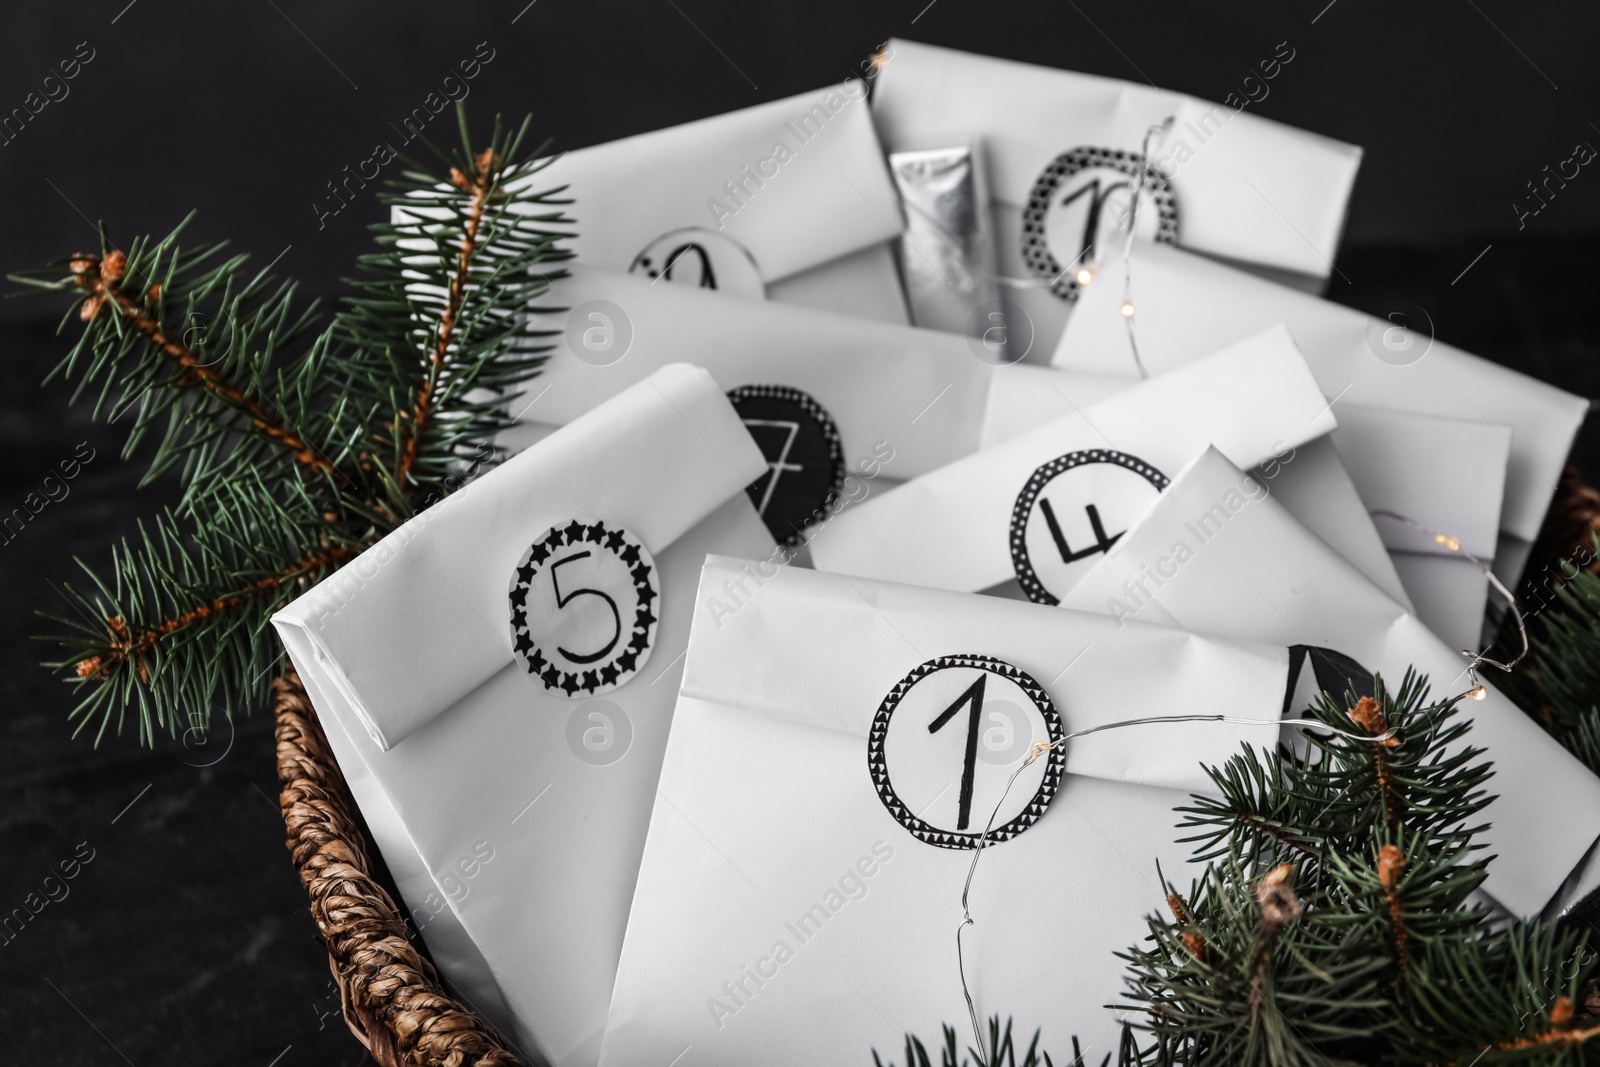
1391, 862
1179, 906
91, 307
112, 266
1368, 714
459, 180
81, 265
1275, 896
89, 668
1195, 944
155, 293
1561, 1013
488, 162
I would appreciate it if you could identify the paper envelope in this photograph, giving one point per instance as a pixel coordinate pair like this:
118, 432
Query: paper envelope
1249, 570
1039, 506
1063, 147
1441, 473
822, 393
1189, 307
802, 878
497, 678
1376, 460
790, 199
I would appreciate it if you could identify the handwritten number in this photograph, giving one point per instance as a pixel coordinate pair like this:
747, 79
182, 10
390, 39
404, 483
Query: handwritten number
563, 601
974, 697
1102, 543
708, 277
1091, 221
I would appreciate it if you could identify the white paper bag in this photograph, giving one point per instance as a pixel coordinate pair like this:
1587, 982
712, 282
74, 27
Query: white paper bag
1040, 506
498, 678
1226, 562
1446, 476
1189, 307
1063, 147
823, 394
801, 881
788, 199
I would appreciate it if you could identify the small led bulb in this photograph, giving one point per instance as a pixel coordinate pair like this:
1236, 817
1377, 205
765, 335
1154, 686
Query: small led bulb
1085, 276
1477, 692
1127, 309
1447, 541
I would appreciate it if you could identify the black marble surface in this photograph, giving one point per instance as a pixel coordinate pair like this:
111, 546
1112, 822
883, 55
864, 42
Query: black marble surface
186, 938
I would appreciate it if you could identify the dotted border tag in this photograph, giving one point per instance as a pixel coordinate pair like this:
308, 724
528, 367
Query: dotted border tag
1055, 765
1036, 248
830, 434
1020, 513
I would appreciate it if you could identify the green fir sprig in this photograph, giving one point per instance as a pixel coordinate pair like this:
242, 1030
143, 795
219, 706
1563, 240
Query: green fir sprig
1335, 920
299, 438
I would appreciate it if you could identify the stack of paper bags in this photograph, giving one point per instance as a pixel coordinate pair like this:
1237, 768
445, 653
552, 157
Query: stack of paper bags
654, 796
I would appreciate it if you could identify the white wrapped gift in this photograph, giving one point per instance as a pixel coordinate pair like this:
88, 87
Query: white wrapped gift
497, 679
1212, 556
1063, 148
839, 744
789, 199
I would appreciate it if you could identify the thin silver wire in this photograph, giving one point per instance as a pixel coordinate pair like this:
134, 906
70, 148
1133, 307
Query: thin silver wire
1474, 659
1158, 130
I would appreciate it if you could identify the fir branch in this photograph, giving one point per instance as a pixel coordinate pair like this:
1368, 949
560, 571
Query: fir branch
102, 277
301, 440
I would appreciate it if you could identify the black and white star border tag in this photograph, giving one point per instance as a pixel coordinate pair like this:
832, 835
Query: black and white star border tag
635, 638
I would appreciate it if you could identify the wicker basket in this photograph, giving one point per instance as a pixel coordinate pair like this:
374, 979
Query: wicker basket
390, 993
392, 998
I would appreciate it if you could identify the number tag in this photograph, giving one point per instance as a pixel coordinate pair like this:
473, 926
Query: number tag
948, 738
703, 259
1078, 210
805, 457
584, 608
1071, 511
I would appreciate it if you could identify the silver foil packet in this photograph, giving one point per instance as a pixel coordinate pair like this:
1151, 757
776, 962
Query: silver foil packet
947, 259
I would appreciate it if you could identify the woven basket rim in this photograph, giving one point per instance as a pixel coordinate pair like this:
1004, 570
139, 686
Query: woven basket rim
389, 992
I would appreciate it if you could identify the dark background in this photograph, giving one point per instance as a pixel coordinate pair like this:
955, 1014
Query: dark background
186, 939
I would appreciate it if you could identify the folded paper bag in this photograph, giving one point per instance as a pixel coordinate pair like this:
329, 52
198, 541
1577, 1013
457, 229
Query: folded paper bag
1040, 505
755, 201
820, 392
514, 817
811, 834
1209, 557
455, 557
1189, 307
1063, 151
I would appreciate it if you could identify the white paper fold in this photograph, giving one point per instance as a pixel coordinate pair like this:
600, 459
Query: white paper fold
442, 576
1262, 578
1189, 307
922, 391
791, 184
1242, 188
953, 529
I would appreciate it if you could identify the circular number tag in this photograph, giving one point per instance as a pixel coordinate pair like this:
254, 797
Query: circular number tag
1079, 202
583, 601
805, 459
926, 750
702, 258
1072, 510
